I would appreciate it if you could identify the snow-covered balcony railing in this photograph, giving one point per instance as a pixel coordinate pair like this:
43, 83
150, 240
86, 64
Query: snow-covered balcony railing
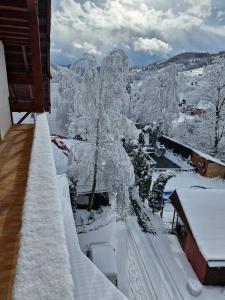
43, 267
50, 263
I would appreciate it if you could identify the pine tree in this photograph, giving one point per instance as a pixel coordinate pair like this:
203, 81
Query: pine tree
141, 139
129, 146
142, 173
73, 195
155, 199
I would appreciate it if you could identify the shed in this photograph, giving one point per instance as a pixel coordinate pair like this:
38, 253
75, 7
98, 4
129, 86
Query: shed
205, 164
202, 212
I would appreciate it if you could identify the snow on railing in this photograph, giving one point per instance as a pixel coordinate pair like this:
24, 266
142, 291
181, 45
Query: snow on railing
43, 267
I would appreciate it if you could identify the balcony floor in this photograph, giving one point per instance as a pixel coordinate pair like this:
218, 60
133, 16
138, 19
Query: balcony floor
15, 151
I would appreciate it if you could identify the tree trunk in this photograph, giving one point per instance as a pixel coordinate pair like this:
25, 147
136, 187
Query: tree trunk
91, 198
216, 130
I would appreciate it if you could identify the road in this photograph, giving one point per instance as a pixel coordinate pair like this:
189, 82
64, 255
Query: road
157, 280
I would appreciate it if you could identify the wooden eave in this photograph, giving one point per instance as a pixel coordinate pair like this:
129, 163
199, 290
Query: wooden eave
25, 33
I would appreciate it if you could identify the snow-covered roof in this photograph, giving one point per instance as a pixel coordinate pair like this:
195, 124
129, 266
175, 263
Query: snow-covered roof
205, 213
203, 104
209, 157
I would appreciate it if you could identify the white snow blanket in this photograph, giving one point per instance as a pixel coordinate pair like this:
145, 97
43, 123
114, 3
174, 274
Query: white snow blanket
205, 212
89, 281
43, 268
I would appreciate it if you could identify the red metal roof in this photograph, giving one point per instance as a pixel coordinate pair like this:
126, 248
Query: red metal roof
25, 33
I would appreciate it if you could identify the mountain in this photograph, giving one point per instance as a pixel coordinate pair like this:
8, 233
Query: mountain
185, 61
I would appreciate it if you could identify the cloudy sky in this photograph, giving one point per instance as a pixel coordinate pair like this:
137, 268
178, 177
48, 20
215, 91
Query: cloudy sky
148, 30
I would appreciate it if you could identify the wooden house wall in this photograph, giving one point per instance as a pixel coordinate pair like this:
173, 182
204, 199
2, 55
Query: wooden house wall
215, 170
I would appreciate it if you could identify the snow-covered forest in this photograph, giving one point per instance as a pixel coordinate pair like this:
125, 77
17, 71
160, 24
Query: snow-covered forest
169, 95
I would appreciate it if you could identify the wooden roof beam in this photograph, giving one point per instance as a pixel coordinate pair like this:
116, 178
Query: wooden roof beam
25, 107
36, 54
27, 68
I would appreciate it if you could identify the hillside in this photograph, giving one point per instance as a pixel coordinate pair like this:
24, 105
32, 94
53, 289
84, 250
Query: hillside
185, 61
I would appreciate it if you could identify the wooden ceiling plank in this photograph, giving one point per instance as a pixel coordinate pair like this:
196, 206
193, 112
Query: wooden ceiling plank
12, 8
17, 3
17, 78
7, 36
12, 24
14, 33
15, 30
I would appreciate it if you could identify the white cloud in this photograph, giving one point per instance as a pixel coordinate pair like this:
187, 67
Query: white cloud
202, 8
153, 26
151, 45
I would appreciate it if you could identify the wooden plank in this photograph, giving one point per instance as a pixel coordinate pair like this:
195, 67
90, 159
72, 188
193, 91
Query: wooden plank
14, 3
25, 107
13, 15
13, 24
14, 30
15, 151
11, 7
15, 41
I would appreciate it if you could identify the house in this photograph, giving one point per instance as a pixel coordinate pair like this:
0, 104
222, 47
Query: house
202, 107
201, 219
204, 164
37, 249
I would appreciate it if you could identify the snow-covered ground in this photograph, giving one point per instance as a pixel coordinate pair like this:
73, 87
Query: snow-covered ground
89, 282
138, 252
107, 227
167, 266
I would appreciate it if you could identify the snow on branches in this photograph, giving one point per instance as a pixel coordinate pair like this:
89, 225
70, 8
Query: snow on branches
95, 102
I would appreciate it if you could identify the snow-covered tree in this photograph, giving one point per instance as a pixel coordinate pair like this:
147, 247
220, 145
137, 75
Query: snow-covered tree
155, 199
130, 146
67, 88
216, 96
155, 98
103, 126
